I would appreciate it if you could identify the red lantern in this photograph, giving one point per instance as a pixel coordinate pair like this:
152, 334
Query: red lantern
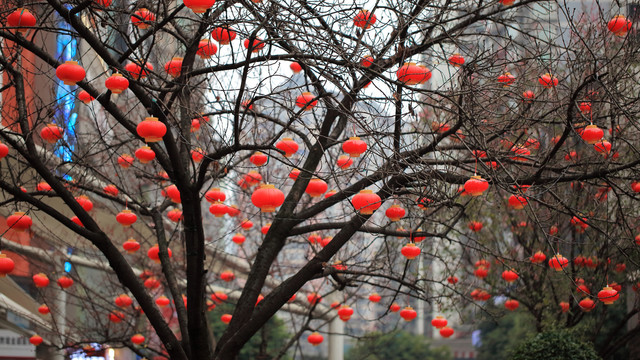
218, 209
345, 312
592, 134
410, 251
175, 215
481, 272
143, 18
548, 81
538, 257
395, 213
564, 306
408, 313
19, 221
199, 6
256, 45
314, 298
579, 223
375, 298
154, 253
21, 19
173, 193
226, 318
110, 190
219, 297
475, 226
316, 187
138, 72
70, 72
233, 211
223, 35
412, 74
306, 101
367, 61
267, 198
116, 83
315, 339
40, 280
162, 301
215, 194
528, 95
173, 67
608, 295
364, 19
35, 340
238, 239
65, 282
366, 202
511, 304
506, 79
446, 332
116, 317
131, 246
394, 307
6, 265
295, 67
603, 147
558, 262
197, 155
43, 309
51, 133
439, 322
137, 339
452, 280
152, 283
227, 276
206, 49
85, 97
517, 202
288, 146
509, 276
619, 25
102, 3
354, 147
265, 229
476, 186
344, 162
258, 158
587, 304
126, 218
145, 154
521, 151
125, 161
456, 60
123, 300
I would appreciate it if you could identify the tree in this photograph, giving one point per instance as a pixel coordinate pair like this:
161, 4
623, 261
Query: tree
556, 345
395, 345
514, 121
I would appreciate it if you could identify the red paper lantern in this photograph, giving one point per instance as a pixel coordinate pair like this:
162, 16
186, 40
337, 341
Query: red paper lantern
446, 332
548, 81
366, 202
410, 251
395, 213
316, 187
538, 257
125, 161
592, 134
35, 340
40, 280
116, 317
175, 215
85, 97
408, 313
223, 35
162, 301
354, 147
564, 306
456, 60
197, 155
528, 95
306, 101
412, 74
154, 253
65, 282
6, 265
345, 312
506, 79
152, 283
481, 272
364, 19
511, 304
476, 186
110, 190
314, 298
126, 218
558, 262
21, 19
215, 194
509, 276
218, 209
233, 211
137, 339
227, 276
267, 198
137, 71
226, 318
619, 25
143, 18
587, 304
131, 246
116, 83
70, 72
608, 295
265, 229
344, 161
219, 297
315, 339
4, 150
77, 221
517, 202
84, 202
367, 61
173, 193
475, 226
439, 322
199, 6
123, 300
256, 45
330, 193
375, 298
173, 67
258, 158
452, 280
246, 224
206, 49
603, 147
288, 146
43, 309
394, 307
51, 133
238, 238
19, 221
145, 154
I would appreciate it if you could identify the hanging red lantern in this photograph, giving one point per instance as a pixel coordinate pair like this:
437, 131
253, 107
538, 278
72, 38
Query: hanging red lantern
226, 318
6, 265
366, 202
85, 97
175, 215
238, 238
4, 150
558, 262
354, 147
528, 95
367, 61
143, 18
521, 151
364, 19
587, 304
233, 211
40, 280
258, 158
517, 202
579, 223
412, 74
344, 161
126, 218
215, 194
137, 339
152, 283
111, 190
608, 295
51, 133
316, 187
394, 307
246, 224
116, 317
564, 306
218, 209
410, 251
475, 226
603, 147
314, 298
506, 79
206, 49
476, 186
295, 67
199, 6
223, 35
548, 81
70, 72
456, 60
483, 262
267, 198
375, 298
173, 193
154, 253
452, 280
21, 19
84, 202
538, 257
227, 276
145, 154
116, 83
511, 304
138, 72
345, 312
219, 297
35, 340
306, 101
585, 107
315, 339
162, 301
123, 300
481, 272
43, 309
439, 322
592, 134
395, 213
173, 67
408, 313
125, 161
65, 282
19, 221
256, 45
619, 25
509, 276
131, 246
102, 4
197, 155
265, 229
252, 178
288, 146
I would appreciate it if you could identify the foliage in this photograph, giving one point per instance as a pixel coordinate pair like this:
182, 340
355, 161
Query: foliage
499, 336
555, 345
397, 345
